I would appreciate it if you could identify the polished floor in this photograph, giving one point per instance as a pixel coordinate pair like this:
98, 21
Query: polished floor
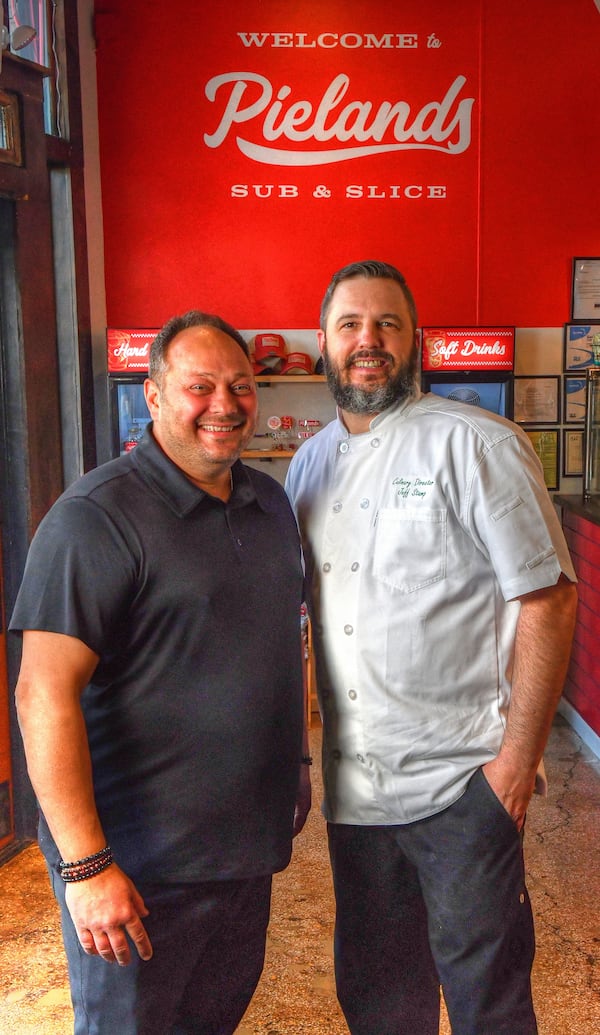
296, 995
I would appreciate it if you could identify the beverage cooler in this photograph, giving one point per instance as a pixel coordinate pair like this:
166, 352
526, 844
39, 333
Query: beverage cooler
128, 352
473, 365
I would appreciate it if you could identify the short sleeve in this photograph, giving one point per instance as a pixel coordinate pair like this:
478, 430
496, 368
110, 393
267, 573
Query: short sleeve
513, 517
79, 574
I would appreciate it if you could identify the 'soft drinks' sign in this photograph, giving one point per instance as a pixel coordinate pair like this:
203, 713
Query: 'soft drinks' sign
468, 348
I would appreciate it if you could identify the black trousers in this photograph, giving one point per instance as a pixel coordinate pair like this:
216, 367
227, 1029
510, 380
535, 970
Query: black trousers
209, 946
441, 901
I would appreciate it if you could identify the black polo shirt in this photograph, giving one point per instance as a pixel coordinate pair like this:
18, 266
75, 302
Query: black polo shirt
194, 713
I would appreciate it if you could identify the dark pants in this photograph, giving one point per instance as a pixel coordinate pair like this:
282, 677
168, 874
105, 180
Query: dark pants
209, 946
438, 901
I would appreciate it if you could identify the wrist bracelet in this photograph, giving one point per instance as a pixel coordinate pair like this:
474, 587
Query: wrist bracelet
87, 867
306, 760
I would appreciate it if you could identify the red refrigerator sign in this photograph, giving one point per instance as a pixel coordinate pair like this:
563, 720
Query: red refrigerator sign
128, 350
468, 348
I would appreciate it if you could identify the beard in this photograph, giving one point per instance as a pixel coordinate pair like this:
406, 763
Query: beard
401, 384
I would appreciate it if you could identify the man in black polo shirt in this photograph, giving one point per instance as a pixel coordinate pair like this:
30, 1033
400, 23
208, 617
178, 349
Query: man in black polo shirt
160, 701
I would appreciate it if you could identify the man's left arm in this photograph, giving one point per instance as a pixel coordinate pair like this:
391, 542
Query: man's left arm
542, 649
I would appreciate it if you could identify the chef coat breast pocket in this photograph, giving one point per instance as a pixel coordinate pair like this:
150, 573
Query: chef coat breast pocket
410, 548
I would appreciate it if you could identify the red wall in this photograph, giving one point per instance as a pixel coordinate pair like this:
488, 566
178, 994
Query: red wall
521, 197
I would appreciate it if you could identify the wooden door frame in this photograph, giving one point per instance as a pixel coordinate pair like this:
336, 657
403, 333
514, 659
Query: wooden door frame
31, 436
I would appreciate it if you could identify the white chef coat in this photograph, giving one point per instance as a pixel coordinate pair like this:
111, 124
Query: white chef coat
418, 535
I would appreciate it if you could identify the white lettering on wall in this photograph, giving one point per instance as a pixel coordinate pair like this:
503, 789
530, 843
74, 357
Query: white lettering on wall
329, 40
359, 127
395, 191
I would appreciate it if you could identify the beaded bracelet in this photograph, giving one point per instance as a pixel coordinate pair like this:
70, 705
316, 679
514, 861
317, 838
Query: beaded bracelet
306, 760
87, 867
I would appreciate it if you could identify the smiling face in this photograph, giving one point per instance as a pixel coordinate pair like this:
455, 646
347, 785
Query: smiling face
204, 406
368, 348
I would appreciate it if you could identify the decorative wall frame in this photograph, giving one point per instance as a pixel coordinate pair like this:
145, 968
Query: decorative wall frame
585, 293
581, 346
545, 441
572, 452
574, 393
536, 400
10, 129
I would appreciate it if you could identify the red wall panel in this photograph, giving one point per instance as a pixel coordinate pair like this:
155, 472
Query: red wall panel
582, 687
496, 248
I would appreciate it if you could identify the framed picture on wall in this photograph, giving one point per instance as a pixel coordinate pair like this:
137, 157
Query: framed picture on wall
536, 400
10, 129
546, 444
574, 400
572, 453
581, 342
585, 294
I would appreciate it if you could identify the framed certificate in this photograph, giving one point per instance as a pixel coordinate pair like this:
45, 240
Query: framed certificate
585, 295
572, 453
545, 442
574, 400
536, 400
581, 346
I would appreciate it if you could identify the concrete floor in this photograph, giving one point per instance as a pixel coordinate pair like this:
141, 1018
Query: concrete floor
296, 994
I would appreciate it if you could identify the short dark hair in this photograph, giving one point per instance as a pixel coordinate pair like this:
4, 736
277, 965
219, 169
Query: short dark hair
368, 268
193, 318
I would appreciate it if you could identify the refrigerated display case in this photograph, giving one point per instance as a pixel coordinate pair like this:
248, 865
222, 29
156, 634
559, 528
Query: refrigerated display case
127, 361
493, 392
128, 412
474, 365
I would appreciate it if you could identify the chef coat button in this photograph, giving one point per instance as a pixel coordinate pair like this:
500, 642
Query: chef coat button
355, 566
348, 629
344, 447
327, 566
375, 442
364, 503
336, 754
337, 507
360, 758
352, 695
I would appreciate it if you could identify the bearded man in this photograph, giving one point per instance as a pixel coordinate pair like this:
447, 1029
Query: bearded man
443, 603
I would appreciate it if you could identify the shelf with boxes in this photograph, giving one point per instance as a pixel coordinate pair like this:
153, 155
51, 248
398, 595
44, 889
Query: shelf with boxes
291, 409
294, 401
